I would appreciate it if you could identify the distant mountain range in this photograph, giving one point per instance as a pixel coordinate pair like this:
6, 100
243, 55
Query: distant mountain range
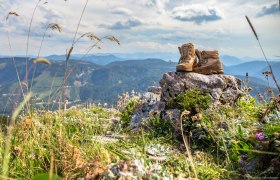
254, 70
102, 78
97, 59
106, 58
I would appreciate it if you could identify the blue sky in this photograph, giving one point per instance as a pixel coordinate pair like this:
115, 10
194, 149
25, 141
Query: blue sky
144, 25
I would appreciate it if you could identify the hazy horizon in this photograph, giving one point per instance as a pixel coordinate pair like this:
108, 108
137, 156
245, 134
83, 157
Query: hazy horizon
136, 55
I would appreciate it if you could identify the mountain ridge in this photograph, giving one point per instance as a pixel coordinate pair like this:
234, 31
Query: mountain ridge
103, 83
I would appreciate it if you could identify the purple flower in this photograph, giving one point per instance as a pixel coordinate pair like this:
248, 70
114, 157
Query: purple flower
260, 136
244, 157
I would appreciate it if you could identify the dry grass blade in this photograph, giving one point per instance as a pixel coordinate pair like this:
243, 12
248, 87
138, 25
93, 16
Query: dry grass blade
74, 40
252, 27
113, 38
54, 26
186, 142
41, 60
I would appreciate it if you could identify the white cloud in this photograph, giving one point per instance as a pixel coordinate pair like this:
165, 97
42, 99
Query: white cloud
130, 23
197, 13
122, 11
158, 4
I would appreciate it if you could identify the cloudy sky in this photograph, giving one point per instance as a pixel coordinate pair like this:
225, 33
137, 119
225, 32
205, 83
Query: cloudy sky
144, 25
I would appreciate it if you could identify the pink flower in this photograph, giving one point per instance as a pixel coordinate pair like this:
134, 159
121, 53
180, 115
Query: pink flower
260, 136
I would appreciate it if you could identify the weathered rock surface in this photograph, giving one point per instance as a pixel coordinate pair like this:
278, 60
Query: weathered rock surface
154, 89
149, 105
222, 88
172, 116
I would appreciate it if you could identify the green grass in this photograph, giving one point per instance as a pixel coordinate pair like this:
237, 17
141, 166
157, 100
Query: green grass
91, 143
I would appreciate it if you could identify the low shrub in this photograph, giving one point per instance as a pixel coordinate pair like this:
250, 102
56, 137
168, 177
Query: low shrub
193, 100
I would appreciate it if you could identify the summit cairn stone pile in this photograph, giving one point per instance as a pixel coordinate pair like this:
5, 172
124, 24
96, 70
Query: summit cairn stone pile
200, 70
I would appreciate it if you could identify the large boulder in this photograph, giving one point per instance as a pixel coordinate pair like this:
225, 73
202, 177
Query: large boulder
222, 88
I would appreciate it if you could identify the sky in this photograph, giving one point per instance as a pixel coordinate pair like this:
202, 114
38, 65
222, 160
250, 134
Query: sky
150, 26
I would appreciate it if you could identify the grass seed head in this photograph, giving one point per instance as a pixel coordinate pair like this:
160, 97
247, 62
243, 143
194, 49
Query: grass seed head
11, 14
113, 38
41, 60
55, 26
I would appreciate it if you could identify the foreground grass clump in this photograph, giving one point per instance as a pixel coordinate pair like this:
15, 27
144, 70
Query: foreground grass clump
127, 111
226, 142
65, 143
237, 138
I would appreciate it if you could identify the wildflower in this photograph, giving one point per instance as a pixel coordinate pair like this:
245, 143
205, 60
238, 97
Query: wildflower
260, 136
244, 157
266, 73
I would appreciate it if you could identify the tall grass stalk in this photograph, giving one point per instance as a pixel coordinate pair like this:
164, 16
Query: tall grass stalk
269, 65
186, 143
13, 57
8, 138
74, 39
69, 54
27, 43
26, 54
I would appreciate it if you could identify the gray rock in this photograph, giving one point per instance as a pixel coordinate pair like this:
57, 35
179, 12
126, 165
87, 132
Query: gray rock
222, 88
173, 116
148, 106
154, 89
